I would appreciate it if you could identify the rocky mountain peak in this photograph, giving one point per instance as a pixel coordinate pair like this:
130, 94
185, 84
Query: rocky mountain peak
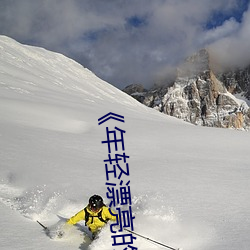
200, 96
196, 64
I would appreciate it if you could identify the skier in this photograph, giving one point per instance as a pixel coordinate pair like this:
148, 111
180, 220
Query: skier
95, 214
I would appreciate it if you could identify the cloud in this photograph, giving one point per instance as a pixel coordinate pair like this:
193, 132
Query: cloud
124, 42
228, 28
233, 49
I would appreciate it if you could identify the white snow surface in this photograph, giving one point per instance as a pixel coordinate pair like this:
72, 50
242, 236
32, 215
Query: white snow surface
190, 185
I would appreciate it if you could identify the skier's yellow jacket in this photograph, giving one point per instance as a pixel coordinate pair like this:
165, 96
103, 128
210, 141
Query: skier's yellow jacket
93, 223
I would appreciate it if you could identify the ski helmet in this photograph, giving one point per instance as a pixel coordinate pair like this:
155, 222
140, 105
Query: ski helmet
95, 202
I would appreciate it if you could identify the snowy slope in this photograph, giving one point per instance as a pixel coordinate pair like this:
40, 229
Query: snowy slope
190, 185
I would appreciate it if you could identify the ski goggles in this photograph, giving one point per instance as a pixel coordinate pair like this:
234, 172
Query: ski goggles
94, 208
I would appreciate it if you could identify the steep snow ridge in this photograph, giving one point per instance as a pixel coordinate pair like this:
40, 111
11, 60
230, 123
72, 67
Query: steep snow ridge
36, 71
34, 75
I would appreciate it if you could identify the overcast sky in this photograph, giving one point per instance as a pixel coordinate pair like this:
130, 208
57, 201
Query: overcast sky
131, 41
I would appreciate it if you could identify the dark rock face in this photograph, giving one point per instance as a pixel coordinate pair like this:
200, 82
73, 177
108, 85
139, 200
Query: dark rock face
200, 97
237, 81
137, 91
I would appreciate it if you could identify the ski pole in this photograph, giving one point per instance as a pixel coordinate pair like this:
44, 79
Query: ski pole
159, 243
45, 228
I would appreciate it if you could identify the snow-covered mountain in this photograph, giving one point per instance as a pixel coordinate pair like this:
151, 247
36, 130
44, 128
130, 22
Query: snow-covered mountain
190, 184
201, 95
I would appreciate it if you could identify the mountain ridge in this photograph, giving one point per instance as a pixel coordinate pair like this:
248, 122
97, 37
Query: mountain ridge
200, 95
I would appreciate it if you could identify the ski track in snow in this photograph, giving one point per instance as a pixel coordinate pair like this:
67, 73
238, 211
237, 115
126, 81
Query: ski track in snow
151, 216
37, 204
32, 204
